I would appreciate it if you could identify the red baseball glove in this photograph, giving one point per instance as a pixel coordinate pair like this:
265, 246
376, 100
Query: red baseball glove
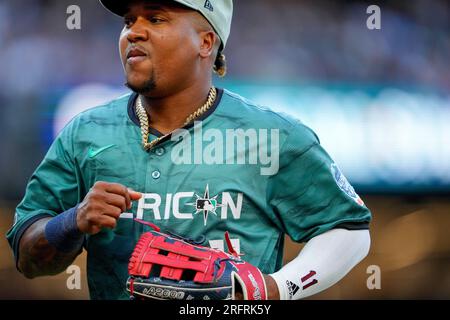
170, 268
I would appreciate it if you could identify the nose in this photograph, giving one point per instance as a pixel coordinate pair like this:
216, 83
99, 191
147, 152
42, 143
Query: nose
137, 32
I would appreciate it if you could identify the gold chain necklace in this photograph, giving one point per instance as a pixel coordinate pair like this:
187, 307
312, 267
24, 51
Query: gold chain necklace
143, 118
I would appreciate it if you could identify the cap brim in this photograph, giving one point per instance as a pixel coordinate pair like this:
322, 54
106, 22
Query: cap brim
120, 8
117, 7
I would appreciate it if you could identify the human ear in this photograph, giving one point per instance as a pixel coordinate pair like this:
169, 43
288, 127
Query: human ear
207, 41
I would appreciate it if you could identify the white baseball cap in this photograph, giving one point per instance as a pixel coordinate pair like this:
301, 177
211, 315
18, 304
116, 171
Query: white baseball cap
219, 13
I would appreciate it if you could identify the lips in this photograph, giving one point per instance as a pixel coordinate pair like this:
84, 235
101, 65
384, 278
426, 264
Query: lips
135, 54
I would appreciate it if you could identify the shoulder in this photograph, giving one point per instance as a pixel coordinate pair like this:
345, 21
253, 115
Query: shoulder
250, 114
109, 110
111, 113
95, 122
237, 105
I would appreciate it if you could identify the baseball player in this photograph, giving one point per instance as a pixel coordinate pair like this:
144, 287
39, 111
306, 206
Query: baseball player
169, 153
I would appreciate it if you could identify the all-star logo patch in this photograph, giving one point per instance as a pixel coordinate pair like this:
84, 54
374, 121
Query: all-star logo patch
344, 185
292, 288
209, 6
206, 205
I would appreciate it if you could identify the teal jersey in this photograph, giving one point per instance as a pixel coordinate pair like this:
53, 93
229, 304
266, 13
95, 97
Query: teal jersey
240, 168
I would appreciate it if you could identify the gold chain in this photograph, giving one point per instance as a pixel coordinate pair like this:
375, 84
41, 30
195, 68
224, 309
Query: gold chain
143, 118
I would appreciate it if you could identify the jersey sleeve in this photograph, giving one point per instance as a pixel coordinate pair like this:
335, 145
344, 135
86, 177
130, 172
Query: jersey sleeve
52, 189
309, 195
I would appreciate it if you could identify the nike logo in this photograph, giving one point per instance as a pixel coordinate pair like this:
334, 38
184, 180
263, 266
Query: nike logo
93, 153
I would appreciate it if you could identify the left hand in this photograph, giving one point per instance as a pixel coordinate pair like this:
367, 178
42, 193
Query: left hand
272, 289
215, 274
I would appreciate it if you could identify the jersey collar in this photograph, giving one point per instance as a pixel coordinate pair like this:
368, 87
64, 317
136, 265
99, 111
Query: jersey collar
134, 118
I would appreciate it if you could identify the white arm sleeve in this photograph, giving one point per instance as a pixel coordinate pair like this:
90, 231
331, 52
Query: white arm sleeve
324, 260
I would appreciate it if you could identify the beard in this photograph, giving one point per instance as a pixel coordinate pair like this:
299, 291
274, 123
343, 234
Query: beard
145, 88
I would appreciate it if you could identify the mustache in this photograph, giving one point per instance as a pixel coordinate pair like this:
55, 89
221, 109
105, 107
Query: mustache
136, 47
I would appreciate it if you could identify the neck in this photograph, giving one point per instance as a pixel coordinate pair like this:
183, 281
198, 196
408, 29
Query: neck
170, 112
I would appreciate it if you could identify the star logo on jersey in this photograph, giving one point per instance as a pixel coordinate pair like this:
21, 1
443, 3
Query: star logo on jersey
206, 205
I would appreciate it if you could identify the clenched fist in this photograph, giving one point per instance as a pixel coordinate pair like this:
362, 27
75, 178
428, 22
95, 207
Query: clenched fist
103, 205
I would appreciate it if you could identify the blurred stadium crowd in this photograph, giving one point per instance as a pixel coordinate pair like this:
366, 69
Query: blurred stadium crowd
309, 40
303, 41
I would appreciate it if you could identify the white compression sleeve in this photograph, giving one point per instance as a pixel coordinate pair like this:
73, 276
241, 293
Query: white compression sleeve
324, 260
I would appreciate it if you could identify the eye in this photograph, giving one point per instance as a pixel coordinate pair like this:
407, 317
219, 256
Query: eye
155, 19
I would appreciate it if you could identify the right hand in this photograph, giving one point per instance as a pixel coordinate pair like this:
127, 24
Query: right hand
103, 205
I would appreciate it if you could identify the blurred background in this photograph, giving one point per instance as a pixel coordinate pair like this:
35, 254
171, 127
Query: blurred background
378, 99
